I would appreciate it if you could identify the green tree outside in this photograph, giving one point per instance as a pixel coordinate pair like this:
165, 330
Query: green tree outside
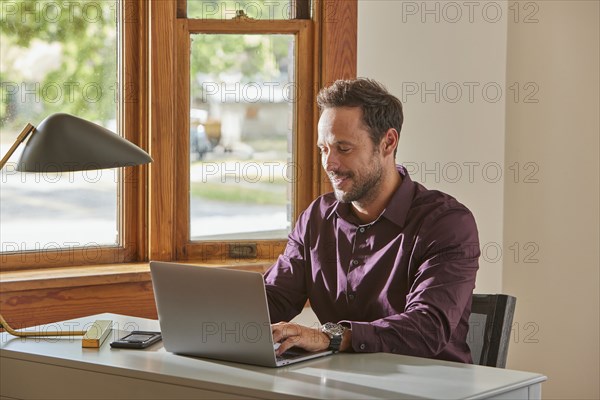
75, 44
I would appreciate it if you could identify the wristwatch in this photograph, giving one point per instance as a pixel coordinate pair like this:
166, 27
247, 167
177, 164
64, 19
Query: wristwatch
335, 333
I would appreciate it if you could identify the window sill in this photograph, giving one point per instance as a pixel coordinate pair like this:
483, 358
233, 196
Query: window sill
94, 275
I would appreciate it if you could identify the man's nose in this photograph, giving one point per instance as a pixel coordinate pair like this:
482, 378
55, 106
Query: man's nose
330, 161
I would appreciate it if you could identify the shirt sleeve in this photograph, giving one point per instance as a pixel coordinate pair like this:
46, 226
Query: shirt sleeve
442, 283
285, 281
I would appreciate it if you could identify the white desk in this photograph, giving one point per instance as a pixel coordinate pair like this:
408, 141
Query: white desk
59, 368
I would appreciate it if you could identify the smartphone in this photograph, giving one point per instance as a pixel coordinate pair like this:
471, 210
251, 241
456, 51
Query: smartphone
137, 340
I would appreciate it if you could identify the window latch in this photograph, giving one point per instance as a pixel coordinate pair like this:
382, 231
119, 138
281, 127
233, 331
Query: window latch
240, 15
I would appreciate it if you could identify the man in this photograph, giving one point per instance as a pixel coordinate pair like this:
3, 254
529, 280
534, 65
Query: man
388, 265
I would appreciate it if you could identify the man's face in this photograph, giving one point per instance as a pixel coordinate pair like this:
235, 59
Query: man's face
352, 162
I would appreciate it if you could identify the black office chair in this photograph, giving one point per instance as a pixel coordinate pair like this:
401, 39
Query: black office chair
490, 324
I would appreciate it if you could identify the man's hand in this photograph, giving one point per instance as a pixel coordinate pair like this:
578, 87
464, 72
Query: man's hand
290, 335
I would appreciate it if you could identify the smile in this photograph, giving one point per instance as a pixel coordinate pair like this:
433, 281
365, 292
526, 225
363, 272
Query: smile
337, 180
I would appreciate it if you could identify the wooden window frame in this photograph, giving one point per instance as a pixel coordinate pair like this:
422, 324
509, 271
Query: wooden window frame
132, 196
186, 249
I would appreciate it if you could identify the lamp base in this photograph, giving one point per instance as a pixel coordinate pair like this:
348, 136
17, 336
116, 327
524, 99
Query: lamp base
97, 334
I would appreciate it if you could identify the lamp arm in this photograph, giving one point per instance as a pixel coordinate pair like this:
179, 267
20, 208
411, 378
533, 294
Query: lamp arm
13, 332
22, 136
3, 324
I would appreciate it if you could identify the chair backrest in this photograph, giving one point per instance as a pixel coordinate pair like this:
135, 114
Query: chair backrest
490, 324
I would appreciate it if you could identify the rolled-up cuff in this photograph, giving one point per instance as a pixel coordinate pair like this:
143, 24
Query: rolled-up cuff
364, 337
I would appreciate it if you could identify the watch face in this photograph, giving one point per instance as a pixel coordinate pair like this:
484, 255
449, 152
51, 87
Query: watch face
333, 329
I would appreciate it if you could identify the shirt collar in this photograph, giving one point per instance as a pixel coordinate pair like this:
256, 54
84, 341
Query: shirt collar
397, 209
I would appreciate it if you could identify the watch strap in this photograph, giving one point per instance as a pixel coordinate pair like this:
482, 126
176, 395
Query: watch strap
334, 343
335, 333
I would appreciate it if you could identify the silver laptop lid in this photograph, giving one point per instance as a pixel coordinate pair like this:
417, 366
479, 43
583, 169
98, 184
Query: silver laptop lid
213, 312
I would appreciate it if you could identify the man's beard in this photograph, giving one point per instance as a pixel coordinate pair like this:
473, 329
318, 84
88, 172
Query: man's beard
364, 188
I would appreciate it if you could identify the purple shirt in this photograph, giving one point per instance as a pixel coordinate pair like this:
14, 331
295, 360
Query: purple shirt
403, 283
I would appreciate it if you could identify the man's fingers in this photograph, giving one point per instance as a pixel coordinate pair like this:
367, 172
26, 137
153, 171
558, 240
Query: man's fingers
282, 331
287, 335
279, 331
285, 345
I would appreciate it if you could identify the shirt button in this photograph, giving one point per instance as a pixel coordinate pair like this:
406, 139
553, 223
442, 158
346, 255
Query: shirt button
350, 297
362, 346
362, 230
354, 262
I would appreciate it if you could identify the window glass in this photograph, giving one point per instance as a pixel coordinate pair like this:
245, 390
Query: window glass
57, 57
241, 129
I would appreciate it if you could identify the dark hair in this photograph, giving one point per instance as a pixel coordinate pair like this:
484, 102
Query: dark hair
380, 109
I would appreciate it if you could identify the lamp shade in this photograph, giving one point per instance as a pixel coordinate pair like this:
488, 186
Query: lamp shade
63, 142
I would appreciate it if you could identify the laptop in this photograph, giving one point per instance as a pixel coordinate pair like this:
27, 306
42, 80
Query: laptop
217, 313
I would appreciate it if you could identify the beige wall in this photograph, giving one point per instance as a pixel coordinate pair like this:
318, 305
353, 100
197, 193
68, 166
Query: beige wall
545, 51
557, 297
453, 134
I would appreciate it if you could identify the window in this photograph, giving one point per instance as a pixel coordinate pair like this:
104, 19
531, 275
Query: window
152, 64
248, 82
63, 57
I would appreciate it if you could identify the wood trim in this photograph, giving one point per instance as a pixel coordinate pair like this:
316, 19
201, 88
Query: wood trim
162, 129
181, 8
134, 115
35, 307
71, 277
305, 137
338, 40
338, 44
267, 252
182, 184
317, 61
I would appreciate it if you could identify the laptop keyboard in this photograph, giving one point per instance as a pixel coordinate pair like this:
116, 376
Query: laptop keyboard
291, 354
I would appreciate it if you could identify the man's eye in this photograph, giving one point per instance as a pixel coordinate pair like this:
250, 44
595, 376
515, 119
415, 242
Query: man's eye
344, 149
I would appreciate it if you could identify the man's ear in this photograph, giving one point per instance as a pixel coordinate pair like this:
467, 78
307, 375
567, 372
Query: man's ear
390, 141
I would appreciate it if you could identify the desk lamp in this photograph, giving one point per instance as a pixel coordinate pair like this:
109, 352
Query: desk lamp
63, 142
